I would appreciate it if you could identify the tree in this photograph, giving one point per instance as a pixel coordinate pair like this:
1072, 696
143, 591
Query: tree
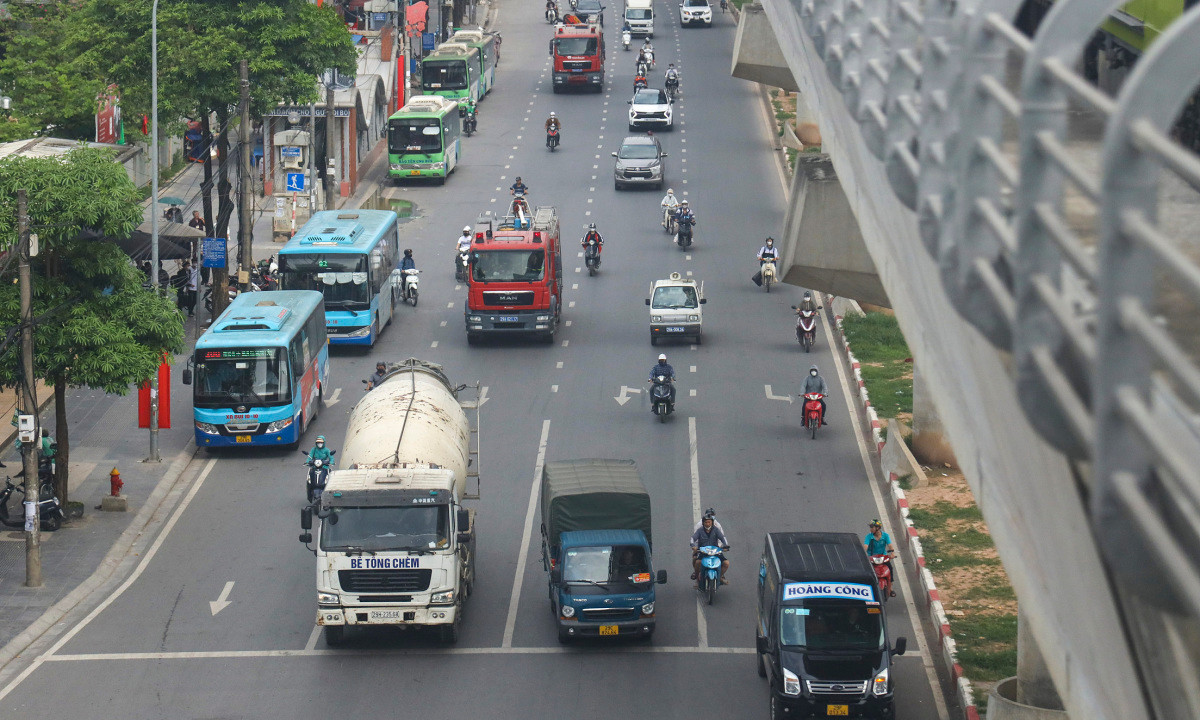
98, 326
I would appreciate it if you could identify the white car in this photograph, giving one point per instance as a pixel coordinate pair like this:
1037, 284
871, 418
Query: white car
675, 309
650, 108
695, 11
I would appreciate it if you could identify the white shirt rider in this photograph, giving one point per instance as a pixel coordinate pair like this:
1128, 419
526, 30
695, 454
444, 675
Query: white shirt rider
464, 241
672, 75
669, 202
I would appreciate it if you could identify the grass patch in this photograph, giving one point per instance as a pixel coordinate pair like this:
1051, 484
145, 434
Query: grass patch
925, 520
972, 539
883, 356
994, 591
791, 158
905, 482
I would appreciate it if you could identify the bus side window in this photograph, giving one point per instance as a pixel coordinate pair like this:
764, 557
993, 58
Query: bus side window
296, 355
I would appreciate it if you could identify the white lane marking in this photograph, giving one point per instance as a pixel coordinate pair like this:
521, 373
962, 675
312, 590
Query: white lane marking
567, 323
528, 650
687, 257
571, 304
558, 365
442, 324
689, 273
692, 369
566, 342
624, 396
880, 507
449, 305
580, 255
333, 396
578, 270
692, 392
137, 573
510, 623
574, 286
433, 344
222, 601
777, 397
589, 212
694, 459
553, 388
312, 639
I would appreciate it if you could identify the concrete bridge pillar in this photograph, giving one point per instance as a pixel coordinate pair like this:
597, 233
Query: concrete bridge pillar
1030, 695
929, 442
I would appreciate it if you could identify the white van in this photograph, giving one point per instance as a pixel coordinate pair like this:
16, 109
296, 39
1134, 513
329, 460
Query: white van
640, 16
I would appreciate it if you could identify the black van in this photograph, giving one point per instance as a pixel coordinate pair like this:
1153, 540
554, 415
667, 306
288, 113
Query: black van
822, 633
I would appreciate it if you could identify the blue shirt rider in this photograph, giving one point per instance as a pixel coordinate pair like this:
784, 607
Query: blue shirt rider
518, 187
877, 542
684, 217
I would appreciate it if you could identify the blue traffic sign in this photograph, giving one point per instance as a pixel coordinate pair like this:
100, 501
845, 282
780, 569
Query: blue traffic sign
295, 182
213, 252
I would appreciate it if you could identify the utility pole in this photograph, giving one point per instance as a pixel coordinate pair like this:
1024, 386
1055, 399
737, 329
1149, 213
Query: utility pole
246, 258
331, 184
154, 261
33, 540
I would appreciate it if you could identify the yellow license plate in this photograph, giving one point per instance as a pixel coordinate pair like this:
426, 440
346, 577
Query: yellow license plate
608, 629
242, 438
837, 710
414, 172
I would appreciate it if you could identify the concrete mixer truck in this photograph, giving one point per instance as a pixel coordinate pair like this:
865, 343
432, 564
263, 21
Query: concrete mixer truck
394, 543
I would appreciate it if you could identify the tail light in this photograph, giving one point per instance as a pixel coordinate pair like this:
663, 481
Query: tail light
537, 236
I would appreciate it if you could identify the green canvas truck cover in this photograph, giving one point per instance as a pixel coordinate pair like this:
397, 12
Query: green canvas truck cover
593, 494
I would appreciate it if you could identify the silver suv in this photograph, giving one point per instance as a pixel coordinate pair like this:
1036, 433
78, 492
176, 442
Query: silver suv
639, 162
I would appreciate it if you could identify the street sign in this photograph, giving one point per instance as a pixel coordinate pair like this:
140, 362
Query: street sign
289, 151
295, 182
427, 41
213, 250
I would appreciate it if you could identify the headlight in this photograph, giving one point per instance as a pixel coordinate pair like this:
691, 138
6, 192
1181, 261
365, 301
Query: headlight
442, 598
791, 683
648, 609
441, 165
656, 318
880, 686
279, 425
363, 331
327, 598
395, 166
693, 318
208, 428
474, 318
568, 611
543, 318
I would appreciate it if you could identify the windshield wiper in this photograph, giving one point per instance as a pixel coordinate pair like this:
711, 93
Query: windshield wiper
589, 582
351, 550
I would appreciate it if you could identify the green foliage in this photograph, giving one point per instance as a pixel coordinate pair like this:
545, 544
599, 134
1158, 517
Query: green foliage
987, 646
882, 354
50, 97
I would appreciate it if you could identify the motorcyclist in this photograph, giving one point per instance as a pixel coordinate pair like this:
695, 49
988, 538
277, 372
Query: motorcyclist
407, 263
377, 376
639, 81
664, 369
647, 51
320, 452
814, 383
519, 187
463, 243
46, 453
552, 5
627, 28
593, 234
672, 77
807, 303
468, 113
767, 253
685, 219
877, 542
668, 205
709, 534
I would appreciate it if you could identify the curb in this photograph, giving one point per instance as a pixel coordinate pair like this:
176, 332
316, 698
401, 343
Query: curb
935, 614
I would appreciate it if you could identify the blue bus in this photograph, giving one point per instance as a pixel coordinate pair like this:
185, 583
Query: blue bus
261, 370
351, 258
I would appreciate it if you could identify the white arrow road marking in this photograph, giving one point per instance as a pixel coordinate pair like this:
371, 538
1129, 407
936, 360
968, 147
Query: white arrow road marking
776, 397
221, 602
482, 396
624, 396
333, 396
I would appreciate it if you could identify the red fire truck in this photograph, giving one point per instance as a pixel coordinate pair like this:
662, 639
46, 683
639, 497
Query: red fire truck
515, 283
578, 52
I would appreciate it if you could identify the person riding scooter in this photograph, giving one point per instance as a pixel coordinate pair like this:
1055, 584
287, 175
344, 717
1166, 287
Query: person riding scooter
685, 219
665, 370
317, 476
593, 234
376, 377
877, 542
553, 127
639, 81
668, 206
814, 383
672, 79
709, 535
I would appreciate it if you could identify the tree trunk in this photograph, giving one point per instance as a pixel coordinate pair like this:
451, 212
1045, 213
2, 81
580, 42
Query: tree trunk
61, 435
206, 188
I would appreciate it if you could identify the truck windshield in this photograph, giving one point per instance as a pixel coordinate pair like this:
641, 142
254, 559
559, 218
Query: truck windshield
623, 564
387, 528
508, 265
673, 298
831, 625
256, 377
575, 46
637, 14
341, 278
444, 74
414, 135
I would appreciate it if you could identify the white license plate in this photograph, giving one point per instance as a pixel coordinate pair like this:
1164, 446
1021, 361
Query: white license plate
675, 329
509, 318
385, 616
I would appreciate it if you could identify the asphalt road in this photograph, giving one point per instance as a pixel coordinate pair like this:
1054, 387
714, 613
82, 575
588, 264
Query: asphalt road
154, 647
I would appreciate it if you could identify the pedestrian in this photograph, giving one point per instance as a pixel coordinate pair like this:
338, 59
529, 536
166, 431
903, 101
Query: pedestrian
204, 271
174, 214
179, 282
163, 278
196, 221
193, 284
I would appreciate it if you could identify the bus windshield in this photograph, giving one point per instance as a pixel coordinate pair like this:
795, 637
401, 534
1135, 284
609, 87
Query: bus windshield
833, 625
508, 265
575, 45
256, 377
444, 75
423, 527
414, 135
341, 278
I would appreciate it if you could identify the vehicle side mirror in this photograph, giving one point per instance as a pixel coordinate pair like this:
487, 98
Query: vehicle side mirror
306, 537
663, 155
703, 301
306, 518
614, 154
187, 376
463, 520
662, 577
628, 102
901, 646
555, 576
647, 301
760, 643
332, 453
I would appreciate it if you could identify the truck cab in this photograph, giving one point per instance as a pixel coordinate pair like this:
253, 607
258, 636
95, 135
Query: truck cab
822, 637
640, 16
676, 309
578, 53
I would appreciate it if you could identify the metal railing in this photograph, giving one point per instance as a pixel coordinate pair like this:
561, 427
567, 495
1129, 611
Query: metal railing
1044, 201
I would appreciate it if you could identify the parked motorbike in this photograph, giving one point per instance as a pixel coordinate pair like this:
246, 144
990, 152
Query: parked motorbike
768, 274
552, 138
318, 474
806, 327
49, 507
410, 286
232, 292
883, 574
591, 256
460, 266
812, 412
660, 397
710, 570
626, 38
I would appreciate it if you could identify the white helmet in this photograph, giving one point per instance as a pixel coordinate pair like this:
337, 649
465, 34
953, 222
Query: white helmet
551, 113
670, 191
467, 229
662, 356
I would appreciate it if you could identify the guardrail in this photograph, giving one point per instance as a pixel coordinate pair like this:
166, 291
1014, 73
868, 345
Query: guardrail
1053, 212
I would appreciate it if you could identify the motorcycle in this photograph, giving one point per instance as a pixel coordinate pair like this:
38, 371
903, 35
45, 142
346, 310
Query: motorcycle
469, 120
668, 221
683, 235
626, 38
460, 266
768, 274
710, 570
551, 13
49, 508
520, 210
643, 68
410, 286
591, 256
318, 473
883, 574
724, 6
812, 412
552, 138
806, 327
232, 292
672, 89
660, 398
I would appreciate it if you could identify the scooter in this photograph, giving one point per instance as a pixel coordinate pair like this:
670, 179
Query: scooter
710, 570
660, 398
318, 473
626, 38
643, 68
469, 120
591, 256
410, 286
806, 327
552, 138
460, 266
683, 235
552, 14
883, 574
49, 508
812, 412
668, 221
768, 274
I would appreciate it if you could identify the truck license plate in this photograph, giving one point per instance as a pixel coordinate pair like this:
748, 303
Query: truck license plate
675, 329
837, 710
608, 629
242, 438
414, 172
509, 318
389, 616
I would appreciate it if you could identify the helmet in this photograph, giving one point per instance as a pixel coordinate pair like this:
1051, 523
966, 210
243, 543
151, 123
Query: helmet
408, 252
380, 365
876, 524
591, 226
807, 294
710, 514
519, 177
662, 357
670, 191
320, 439
551, 115
467, 229
683, 202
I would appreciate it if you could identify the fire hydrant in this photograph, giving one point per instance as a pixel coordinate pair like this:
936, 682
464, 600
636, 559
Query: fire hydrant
115, 483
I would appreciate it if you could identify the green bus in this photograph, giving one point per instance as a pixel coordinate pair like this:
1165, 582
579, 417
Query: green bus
452, 71
485, 43
424, 139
